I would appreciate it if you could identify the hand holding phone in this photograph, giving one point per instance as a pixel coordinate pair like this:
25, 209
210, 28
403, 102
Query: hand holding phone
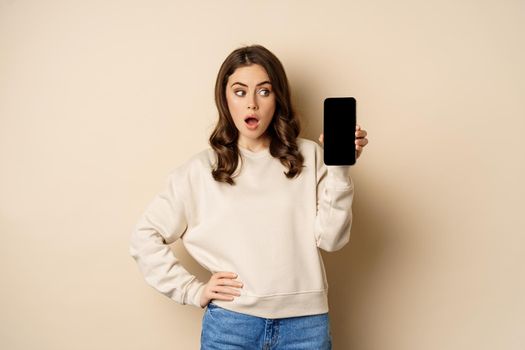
339, 124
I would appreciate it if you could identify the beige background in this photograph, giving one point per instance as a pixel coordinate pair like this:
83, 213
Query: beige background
99, 100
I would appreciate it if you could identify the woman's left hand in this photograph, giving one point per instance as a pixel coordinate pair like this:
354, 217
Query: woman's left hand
360, 140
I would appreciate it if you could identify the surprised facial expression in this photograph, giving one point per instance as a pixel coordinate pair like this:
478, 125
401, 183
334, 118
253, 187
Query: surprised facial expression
251, 103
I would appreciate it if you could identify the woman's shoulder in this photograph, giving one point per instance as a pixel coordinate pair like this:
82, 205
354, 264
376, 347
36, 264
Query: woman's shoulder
307, 143
198, 163
308, 148
204, 158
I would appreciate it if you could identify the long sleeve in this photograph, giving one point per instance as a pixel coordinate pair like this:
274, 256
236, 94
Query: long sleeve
335, 193
163, 222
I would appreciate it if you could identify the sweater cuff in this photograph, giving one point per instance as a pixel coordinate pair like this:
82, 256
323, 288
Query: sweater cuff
194, 292
338, 177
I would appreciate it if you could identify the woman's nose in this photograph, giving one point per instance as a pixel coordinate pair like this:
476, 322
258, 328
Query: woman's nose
252, 103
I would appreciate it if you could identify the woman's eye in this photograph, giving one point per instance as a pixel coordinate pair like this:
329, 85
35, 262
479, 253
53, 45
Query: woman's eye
262, 92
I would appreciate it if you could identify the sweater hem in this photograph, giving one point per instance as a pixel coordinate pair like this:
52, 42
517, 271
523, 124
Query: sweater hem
278, 306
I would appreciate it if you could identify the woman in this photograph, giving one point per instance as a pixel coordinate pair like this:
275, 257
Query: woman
254, 209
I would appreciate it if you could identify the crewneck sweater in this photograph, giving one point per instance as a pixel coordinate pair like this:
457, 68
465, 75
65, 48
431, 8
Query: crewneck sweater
266, 228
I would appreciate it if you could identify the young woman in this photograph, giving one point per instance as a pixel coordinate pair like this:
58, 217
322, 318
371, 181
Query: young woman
254, 209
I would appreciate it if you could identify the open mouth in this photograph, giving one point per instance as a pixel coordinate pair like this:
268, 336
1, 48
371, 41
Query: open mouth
251, 120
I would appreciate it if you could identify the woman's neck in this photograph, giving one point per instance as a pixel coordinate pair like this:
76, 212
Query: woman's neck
254, 145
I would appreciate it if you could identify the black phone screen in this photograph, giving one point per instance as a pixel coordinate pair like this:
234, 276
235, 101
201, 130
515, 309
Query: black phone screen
339, 130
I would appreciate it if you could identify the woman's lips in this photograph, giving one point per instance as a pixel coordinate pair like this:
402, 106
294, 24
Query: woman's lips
251, 123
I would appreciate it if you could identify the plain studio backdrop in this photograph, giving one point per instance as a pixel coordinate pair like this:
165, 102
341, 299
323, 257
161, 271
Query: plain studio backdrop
99, 100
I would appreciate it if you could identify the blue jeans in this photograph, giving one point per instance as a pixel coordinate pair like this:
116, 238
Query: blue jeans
227, 330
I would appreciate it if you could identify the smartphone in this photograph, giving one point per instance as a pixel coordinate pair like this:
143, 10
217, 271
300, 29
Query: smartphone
339, 121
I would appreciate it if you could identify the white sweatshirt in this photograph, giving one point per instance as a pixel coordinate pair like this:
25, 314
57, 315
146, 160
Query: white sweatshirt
266, 228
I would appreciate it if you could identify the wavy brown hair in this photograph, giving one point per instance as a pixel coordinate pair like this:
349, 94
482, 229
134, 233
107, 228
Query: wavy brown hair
283, 129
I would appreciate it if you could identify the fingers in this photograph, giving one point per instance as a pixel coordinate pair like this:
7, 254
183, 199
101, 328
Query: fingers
360, 143
229, 282
321, 138
226, 277
220, 284
359, 133
225, 290
360, 140
223, 274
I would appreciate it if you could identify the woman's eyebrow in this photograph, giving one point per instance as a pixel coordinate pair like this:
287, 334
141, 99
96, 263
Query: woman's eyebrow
261, 83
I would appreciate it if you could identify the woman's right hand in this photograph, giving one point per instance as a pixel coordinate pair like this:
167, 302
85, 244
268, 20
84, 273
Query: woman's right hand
215, 289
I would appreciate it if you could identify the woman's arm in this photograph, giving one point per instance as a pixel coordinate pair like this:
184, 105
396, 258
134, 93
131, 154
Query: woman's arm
163, 222
335, 192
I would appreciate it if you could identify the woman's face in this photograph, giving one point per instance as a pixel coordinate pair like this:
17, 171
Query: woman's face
251, 103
